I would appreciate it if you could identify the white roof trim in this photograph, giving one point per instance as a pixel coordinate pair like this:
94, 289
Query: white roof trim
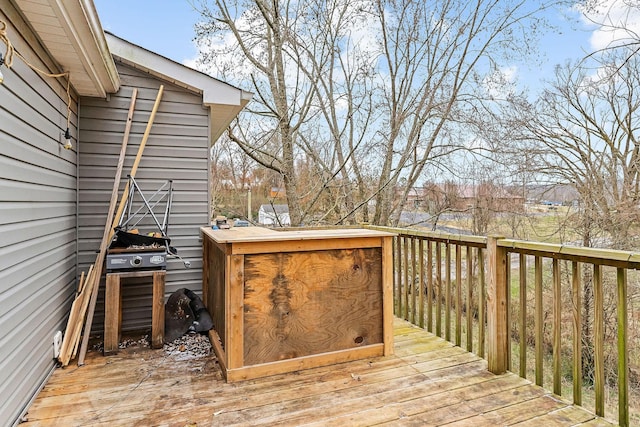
108, 74
80, 20
70, 31
214, 92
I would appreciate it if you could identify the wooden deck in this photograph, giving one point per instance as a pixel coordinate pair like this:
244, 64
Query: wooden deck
427, 382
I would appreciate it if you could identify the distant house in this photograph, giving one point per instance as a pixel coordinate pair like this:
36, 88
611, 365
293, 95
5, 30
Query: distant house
461, 197
495, 197
274, 215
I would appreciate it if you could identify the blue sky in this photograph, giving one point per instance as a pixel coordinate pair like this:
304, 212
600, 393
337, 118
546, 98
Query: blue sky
166, 27
162, 26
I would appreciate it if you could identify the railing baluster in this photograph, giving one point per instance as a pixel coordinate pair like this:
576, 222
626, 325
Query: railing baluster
421, 282
447, 294
412, 280
623, 356
557, 320
538, 322
459, 295
397, 275
523, 315
599, 339
482, 303
430, 286
577, 330
438, 294
406, 278
507, 303
469, 310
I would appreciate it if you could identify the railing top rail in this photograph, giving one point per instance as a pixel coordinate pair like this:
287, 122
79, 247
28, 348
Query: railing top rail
609, 257
612, 257
469, 240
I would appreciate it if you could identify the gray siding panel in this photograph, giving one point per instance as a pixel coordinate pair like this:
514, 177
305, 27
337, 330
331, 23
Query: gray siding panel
17, 212
138, 128
115, 138
155, 166
37, 222
15, 170
177, 149
157, 174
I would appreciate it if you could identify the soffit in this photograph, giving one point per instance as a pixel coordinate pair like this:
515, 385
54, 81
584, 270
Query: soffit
71, 32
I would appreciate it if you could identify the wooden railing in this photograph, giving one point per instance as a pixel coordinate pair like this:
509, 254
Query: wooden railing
510, 301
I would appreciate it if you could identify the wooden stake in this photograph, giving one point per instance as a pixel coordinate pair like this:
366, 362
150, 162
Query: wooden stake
78, 330
94, 283
134, 168
76, 318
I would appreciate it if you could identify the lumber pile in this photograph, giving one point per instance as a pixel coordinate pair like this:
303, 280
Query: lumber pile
83, 307
71, 339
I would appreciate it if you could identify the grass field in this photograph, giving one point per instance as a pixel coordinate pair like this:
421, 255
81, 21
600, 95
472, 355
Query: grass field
537, 223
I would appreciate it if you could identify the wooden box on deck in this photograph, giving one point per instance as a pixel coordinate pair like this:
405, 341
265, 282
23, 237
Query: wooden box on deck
282, 301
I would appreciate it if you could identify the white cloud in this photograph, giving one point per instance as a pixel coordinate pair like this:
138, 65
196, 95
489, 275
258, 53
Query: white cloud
616, 21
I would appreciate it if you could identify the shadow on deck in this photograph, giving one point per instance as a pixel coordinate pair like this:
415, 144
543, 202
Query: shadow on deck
427, 382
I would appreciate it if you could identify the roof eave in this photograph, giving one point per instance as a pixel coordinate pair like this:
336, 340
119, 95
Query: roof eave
224, 100
106, 72
73, 36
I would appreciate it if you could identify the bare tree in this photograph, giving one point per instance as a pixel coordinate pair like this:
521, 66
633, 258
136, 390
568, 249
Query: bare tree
314, 99
435, 55
231, 175
582, 132
584, 128
365, 92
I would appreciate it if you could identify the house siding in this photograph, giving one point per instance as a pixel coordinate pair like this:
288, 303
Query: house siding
177, 149
38, 214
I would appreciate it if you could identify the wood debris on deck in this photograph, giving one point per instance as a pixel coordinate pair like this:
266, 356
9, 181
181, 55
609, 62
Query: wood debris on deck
428, 381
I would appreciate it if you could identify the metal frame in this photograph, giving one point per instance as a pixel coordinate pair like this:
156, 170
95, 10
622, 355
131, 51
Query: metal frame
165, 194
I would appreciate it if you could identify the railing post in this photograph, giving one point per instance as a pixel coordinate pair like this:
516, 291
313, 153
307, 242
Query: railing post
497, 292
623, 354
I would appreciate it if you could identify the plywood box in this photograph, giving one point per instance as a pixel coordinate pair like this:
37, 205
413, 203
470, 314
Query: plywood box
290, 300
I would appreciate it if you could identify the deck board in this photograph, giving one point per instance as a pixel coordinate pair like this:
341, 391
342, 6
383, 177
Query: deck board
428, 381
